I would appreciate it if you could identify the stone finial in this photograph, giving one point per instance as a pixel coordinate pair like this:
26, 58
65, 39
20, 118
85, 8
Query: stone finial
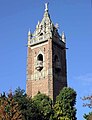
56, 26
63, 37
29, 32
29, 37
46, 6
38, 22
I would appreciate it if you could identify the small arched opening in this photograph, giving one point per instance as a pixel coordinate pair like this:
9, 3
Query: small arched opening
39, 65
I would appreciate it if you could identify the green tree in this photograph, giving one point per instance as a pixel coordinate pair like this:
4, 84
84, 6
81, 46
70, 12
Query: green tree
44, 104
64, 108
28, 108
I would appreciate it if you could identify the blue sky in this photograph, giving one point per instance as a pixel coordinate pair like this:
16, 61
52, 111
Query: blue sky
74, 17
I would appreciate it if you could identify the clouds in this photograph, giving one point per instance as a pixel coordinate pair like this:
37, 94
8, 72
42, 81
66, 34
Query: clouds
83, 84
86, 79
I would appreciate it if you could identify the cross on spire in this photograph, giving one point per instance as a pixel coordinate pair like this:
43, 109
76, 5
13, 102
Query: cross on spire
46, 6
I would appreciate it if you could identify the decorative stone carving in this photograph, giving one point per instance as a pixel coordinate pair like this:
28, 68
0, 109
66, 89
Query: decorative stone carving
39, 65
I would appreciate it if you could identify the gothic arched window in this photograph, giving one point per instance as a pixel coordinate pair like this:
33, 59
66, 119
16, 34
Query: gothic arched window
40, 57
39, 64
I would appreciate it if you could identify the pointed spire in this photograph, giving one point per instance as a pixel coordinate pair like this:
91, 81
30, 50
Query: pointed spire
46, 6
38, 22
29, 32
63, 37
29, 37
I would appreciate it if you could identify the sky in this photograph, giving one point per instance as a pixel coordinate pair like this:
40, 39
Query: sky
74, 18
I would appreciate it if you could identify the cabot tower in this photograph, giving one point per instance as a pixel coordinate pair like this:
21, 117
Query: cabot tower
46, 59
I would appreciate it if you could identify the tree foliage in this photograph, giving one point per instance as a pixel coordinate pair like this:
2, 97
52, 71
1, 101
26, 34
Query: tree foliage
28, 108
64, 107
88, 116
9, 108
88, 103
89, 100
44, 104
19, 106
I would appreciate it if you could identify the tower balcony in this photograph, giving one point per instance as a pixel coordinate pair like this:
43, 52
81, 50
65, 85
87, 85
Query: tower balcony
39, 65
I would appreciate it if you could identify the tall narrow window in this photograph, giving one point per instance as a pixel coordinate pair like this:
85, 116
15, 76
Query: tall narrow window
57, 63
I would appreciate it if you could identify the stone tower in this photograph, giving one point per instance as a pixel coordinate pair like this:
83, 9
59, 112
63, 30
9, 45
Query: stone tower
46, 59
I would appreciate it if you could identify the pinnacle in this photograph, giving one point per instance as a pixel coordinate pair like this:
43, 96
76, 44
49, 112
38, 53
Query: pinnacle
46, 6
